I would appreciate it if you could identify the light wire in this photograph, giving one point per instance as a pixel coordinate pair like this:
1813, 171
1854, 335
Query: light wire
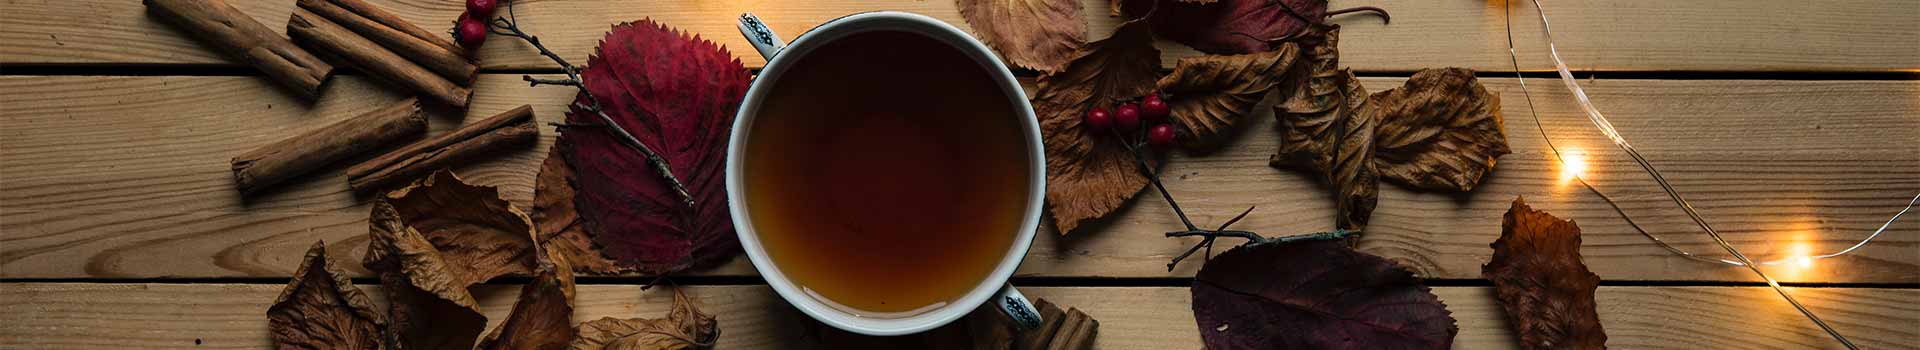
1606, 127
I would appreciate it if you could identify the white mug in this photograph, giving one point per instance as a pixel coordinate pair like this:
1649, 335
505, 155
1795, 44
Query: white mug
782, 57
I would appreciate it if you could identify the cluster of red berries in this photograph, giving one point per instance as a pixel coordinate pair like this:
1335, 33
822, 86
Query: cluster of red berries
471, 30
1128, 116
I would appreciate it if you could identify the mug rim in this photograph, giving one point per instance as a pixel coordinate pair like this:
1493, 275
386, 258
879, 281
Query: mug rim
833, 30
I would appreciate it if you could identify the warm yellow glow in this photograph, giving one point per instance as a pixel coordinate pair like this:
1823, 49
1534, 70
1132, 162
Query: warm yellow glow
1801, 255
1573, 165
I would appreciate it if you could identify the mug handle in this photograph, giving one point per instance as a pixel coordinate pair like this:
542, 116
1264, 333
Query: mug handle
1015, 305
1008, 300
762, 38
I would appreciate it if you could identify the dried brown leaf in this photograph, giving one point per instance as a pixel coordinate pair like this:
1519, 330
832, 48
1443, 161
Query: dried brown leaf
1037, 34
1211, 94
321, 309
428, 304
1308, 114
1090, 175
561, 229
1540, 282
433, 239
542, 318
1326, 127
685, 327
1439, 132
476, 231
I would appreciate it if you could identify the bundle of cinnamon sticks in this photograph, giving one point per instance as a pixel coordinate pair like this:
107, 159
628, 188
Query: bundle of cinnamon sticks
402, 120
240, 37
385, 46
377, 42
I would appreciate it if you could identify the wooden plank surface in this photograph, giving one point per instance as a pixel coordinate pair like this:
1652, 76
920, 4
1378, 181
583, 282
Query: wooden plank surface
1608, 35
230, 316
127, 177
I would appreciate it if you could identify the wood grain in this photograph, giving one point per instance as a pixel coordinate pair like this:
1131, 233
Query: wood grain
127, 177
227, 316
1609, 35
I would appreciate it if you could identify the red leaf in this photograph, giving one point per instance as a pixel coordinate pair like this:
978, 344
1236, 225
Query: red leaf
1541, 283
1315, 295
677, 94
1230, 27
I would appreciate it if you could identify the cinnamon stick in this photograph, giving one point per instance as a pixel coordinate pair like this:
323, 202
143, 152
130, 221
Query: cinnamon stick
449, 63
1076, 332
388, 19
1039, 338
244, 39
279, 161
310, 29
514, 127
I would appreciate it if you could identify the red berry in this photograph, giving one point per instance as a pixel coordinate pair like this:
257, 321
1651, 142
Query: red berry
470, 32
1127, 116
482, 7
1154, 109
1099, 120
1160, 136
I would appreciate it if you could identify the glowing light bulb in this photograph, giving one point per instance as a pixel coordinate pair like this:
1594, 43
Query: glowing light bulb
1573, 165
1800, 255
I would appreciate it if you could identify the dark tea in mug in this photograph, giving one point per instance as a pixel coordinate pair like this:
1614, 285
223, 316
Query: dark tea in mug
887, 173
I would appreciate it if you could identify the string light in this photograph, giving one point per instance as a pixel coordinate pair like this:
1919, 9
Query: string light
1573, 165
1799, 258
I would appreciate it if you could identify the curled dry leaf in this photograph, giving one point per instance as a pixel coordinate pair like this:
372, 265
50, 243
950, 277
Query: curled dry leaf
1439, 132
1211, 93
1037, 34
1308, 114
480, 234
677, 94
321, 309
1324, 128
429, 242
1541, 283
685, 327
542, 318
1089, 175
561, 229
427, 302
1315, 295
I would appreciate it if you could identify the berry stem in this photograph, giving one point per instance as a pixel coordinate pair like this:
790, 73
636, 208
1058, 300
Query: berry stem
1137, 142
510, 26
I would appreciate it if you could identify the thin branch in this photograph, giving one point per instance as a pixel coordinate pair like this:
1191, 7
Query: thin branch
1140, 161
1384, 17
1134, 146
532, 81
510, 26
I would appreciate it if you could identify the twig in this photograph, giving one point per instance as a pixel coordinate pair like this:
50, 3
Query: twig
531, 81
1384, 17
1134, 146
510, 26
